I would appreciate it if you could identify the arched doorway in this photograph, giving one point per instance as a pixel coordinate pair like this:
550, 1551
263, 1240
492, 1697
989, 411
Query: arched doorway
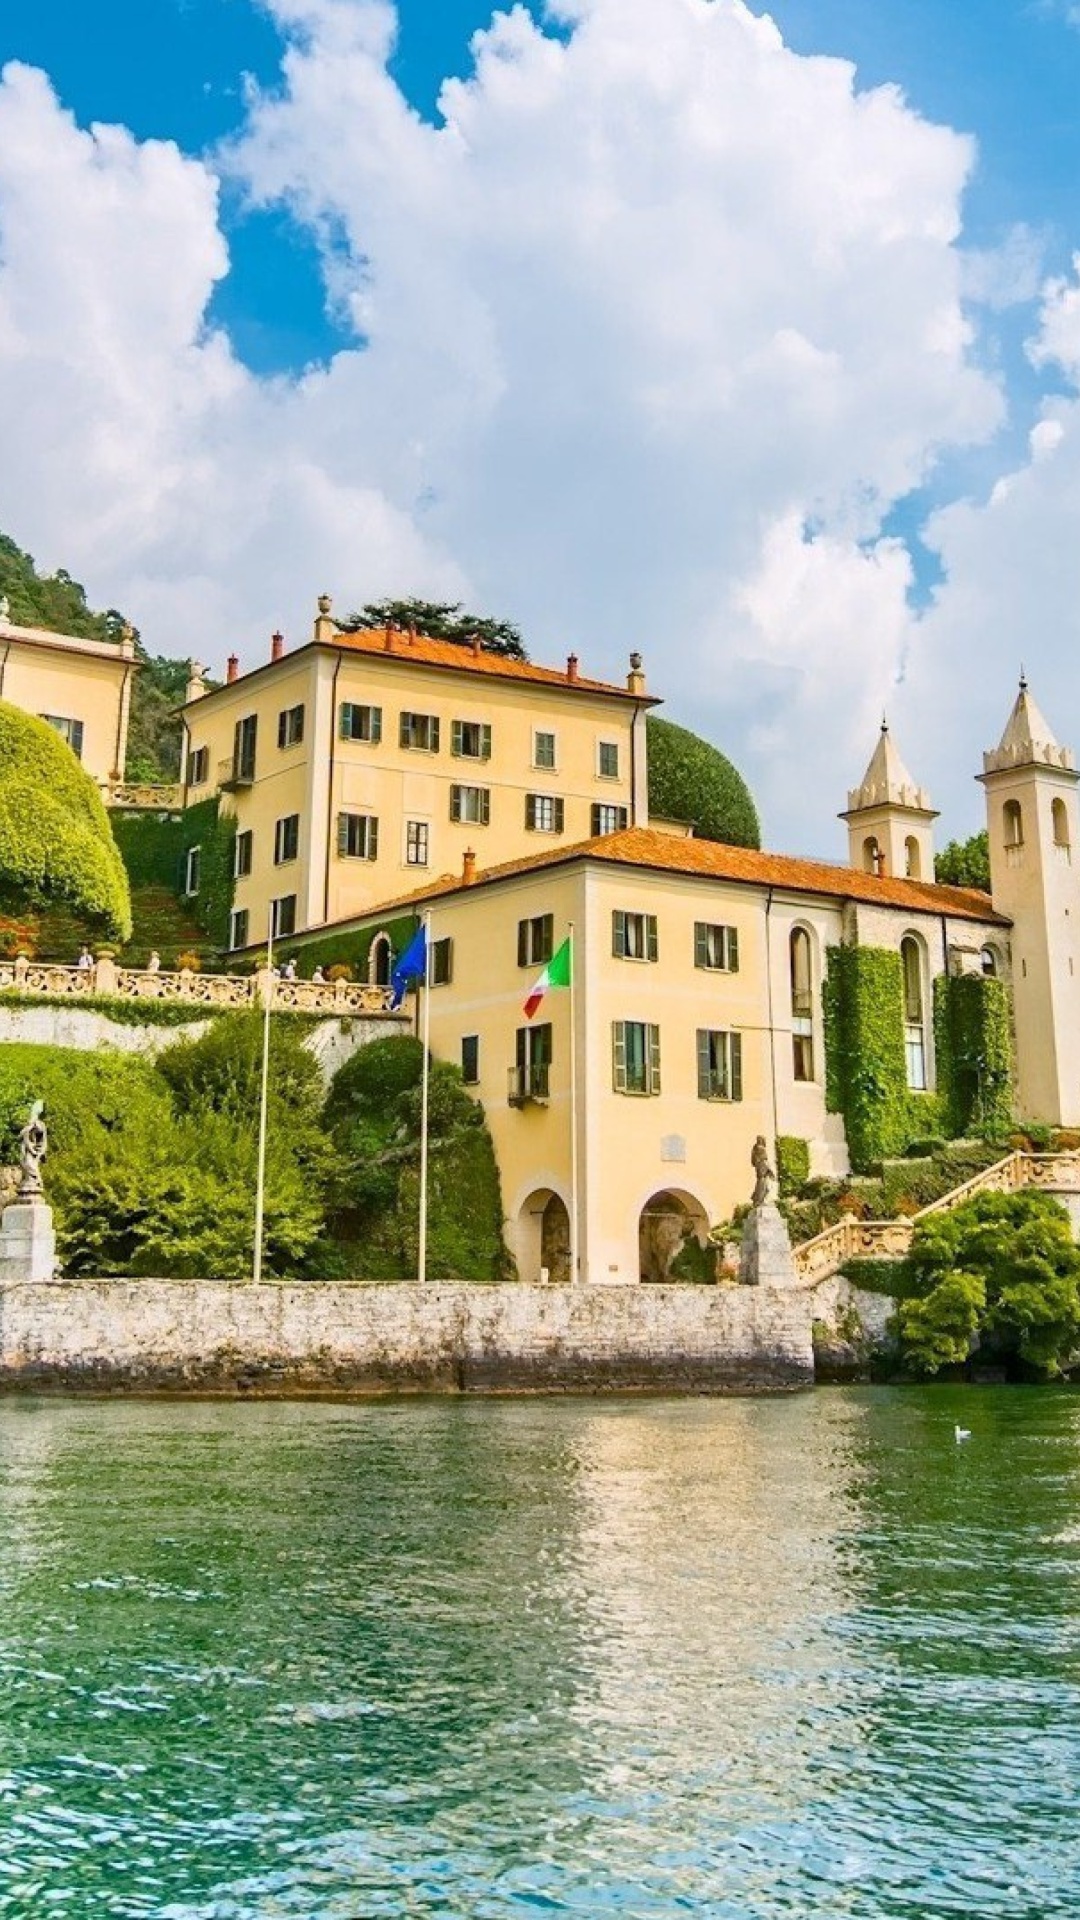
380, 960
667, 1220
541, 1236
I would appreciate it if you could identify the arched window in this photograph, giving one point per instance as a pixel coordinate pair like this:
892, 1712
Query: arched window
1013, 821
912, 858
802, 1004
380, 960
872, 857
989, 961
911, 960
1059, 815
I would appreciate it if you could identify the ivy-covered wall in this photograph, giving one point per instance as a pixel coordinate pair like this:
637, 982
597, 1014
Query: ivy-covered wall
347, 949
214, 833
865, 1066
150, 845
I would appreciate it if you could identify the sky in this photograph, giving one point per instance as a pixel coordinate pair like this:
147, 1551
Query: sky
745, 338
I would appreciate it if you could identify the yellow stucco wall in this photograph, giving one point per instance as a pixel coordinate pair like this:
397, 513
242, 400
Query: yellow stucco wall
52, 675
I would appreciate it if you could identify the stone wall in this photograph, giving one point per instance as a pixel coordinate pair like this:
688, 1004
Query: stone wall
77, 1026
228, 1337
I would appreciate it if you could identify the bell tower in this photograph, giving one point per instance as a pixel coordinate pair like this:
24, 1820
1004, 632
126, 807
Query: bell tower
1032, 824
890, 819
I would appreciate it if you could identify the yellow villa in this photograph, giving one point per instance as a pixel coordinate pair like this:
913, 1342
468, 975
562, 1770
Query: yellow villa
81, 687
363, 760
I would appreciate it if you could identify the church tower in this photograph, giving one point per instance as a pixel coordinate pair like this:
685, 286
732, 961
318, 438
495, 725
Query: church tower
890, 819
1032, 822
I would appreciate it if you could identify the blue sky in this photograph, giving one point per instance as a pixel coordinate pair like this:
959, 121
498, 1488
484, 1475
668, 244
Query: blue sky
668, 339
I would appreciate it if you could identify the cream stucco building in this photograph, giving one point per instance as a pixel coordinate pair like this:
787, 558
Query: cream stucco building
81, 687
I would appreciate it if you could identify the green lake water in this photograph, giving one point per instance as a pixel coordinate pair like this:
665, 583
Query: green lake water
801, 1657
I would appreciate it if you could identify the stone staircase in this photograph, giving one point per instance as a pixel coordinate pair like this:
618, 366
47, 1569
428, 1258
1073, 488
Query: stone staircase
818, 1259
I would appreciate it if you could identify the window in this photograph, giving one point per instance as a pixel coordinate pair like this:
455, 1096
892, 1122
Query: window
470, 740
988, 960
1013, 822
242, 855
1060, 819
530, 1077
199, 767
608, 819
286, 839
290, 727
914, 1014
471, 805
719, 1064
536, 940
357, 836
380, 960
607, 759
245, 736
192, 863
912, 858
470, 1058
544, 751
802, 1004
716, 947
635, 1056
238, 928
360, 723
69, 730
283, 916
416, 843
633, 936
872, 857
420, 730
544, 813
442, 962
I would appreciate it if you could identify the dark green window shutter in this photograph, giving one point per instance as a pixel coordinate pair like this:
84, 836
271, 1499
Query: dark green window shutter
343, 833
455, 803
406, 729
547, 936
375, 724
652, 944
704, 1075
485, 806
618, 1050
373, 838
701, 944
485, 743
653, 1034
523, 1046
733, 949
736, 1066
618, 934
434, 736
455, 736
523, 943
530, 810
560, 810
345, 721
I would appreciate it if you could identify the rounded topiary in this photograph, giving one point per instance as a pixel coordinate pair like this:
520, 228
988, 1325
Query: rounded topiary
691, 780
56, 845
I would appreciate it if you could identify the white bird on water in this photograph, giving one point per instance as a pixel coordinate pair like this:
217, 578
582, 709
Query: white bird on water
962, 1433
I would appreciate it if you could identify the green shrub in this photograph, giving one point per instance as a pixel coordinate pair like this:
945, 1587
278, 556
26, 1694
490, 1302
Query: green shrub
691, 780
151, 846
56, 845
924, 1149
876, 1276
792, 1163
965, 863
973, 1033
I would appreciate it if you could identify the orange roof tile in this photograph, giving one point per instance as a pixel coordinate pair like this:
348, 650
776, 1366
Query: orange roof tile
422, 650
708, 859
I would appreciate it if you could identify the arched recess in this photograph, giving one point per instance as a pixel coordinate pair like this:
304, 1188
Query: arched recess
802, 970
380, 960
990, 961
540, 1238
916, 1010
1012, 820
667, 1220
872, 857
1059, 816
912, 858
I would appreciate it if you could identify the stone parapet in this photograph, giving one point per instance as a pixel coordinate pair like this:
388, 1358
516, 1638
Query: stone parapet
104, 978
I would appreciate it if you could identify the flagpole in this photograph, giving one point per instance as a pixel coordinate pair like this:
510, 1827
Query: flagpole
260, 1169
421, 1253
574, 1275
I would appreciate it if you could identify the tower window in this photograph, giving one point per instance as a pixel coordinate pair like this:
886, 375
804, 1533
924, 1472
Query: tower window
802, 1005
912, 858
873, 858
1059, 815
911, 961
1013, 822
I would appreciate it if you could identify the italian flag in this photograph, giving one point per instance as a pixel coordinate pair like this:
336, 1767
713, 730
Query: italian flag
555, 974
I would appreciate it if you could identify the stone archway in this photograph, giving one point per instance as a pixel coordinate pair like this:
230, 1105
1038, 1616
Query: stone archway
667, 1219
540, 1238
380, 960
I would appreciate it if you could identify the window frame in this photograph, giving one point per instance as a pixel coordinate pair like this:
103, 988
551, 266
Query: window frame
347, 820
545, 766
282, 910
290, 727
535, 803
286, 834
198, 766
607, 749
417, 831
459, 815
719, 1066
458, 748
69, 729
236, 916
727, 945
470, 1059
243, 854
373, 736
410, 723
602, 807
192, 855
644, 937
441, 965
649, 1058
536, 940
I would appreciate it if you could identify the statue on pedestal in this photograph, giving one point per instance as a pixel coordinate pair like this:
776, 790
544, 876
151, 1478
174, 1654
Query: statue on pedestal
766, 1258
27, 1240
763, 1173
33, 1150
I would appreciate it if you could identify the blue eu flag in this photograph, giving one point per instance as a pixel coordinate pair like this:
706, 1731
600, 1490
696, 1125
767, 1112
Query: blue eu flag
411, 966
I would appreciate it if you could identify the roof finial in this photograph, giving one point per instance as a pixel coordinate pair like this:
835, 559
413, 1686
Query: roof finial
1023, 679
884, 721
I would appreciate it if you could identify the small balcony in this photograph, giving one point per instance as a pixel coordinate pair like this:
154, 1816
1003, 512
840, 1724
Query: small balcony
234, 774
528, 1086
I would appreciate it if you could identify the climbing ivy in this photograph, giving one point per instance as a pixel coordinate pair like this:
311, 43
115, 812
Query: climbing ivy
792, 1162
866, 1073
974, 1054
214, 833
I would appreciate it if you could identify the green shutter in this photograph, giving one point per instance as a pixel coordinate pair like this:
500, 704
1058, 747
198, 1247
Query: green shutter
560, 810
652, 943
455, 737
455, 803
375, 724
485, 743
704, 1076
652, 1035
373, 837
522, 1047
547, 936
406, 719
701, 944
523, 943
618, 1048
342, 834
434, 736
618, 934
344, 720
485, 806
530, 811
736, 1066
733, 949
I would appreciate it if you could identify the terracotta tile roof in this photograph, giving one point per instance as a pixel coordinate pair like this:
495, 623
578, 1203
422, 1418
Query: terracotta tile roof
707, 859
445, 653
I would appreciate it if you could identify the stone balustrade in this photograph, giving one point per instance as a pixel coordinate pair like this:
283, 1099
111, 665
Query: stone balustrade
146, 798
106, 978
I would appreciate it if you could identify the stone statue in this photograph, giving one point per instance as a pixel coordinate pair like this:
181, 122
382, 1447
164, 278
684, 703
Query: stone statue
33, 1149
5, 607
759, 1160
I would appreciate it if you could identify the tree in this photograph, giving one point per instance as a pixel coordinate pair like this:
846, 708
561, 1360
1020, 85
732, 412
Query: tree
153, 749
691, 780
965, 863
56, 845
442, 620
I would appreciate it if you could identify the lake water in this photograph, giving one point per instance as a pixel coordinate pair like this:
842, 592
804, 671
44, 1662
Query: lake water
801, 1657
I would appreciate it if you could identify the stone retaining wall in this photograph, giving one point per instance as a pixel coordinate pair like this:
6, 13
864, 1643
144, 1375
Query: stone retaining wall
227, 1337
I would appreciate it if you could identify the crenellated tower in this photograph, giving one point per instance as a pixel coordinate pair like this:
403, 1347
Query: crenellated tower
1032, 824
889, 818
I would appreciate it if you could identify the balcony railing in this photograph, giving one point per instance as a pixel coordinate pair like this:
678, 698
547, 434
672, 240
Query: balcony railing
233, 774
108, 980
529, 1086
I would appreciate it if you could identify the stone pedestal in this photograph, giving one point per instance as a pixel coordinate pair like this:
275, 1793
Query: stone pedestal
766, 1259
27, 1243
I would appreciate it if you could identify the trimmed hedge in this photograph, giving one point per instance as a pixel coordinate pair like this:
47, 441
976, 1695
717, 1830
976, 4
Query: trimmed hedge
151, 846
691, 780
55, 841
792, 1162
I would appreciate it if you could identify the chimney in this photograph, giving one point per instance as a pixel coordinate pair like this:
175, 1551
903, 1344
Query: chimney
388, 639
476, 646
277, 645
571, 668
635, 679
232, 669
468, 867
412, 633
196, 682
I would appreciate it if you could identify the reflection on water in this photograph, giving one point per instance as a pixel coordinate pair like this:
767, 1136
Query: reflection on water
648, 1658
